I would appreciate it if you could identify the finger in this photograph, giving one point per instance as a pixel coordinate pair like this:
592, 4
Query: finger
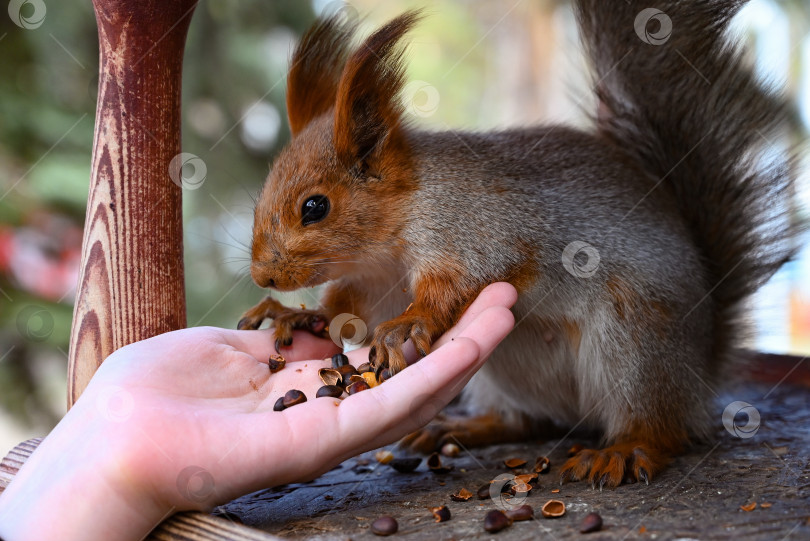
497, 294
400, 404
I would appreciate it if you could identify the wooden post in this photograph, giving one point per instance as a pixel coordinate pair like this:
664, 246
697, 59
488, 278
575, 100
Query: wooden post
131, 282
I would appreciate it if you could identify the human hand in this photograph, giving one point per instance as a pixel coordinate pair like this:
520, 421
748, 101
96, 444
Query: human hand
185, 420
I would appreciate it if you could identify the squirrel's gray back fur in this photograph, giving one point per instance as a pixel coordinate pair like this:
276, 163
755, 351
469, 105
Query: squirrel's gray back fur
668, 192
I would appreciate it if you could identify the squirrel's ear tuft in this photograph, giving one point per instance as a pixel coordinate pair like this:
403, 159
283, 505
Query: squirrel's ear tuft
315, 70
368, 109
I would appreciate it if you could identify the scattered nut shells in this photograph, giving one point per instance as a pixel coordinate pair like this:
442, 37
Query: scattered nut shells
553, 509
574, 449
749, 507
522, 512
450, 449
435, 465
765, 505
384, 526
279, 405
293, 398
591, 523
496, 520
332, 391
514, 463
356, 387
384, 456
405, 465
462, 495
276, 363
542, 465
330, 376
441, 513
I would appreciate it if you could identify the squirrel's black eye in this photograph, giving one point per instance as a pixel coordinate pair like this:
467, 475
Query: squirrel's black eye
314, 209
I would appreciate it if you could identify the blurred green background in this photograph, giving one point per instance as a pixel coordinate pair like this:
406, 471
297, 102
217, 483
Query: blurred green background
478, 64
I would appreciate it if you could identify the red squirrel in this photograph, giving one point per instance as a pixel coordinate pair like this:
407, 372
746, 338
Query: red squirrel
632, 244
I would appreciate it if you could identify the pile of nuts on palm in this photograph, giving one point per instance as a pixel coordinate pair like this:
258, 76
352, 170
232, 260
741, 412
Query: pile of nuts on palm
341, 378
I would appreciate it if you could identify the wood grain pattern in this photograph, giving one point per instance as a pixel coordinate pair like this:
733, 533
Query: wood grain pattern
131, 281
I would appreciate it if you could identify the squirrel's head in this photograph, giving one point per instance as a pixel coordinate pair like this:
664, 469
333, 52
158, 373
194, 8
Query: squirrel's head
337, 194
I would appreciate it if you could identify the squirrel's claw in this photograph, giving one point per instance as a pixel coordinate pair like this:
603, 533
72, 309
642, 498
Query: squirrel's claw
614, 465
248, 323
386, 346
290, 320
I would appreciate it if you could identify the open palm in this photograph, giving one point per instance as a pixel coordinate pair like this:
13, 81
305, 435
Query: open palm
194, 408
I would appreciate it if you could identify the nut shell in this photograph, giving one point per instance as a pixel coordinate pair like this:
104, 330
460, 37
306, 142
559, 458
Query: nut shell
442, 513
553, 509
514, 463
330, 376
542, 465
276, 363
435, 465
462, 495
279, 405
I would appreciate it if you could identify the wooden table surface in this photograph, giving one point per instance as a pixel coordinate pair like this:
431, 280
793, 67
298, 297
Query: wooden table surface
698, 497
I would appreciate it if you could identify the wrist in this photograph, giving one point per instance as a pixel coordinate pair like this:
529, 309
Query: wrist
79, 485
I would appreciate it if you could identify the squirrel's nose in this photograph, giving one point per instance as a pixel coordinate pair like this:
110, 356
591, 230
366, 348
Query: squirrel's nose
261, 276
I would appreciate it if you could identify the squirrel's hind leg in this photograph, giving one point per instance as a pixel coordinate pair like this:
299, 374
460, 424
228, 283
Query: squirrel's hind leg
477, 431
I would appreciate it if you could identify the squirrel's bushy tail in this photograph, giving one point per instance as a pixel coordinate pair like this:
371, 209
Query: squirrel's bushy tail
676, 96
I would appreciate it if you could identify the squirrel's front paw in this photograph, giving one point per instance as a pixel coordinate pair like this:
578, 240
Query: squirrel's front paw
288, 321
386, 346
285, 320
